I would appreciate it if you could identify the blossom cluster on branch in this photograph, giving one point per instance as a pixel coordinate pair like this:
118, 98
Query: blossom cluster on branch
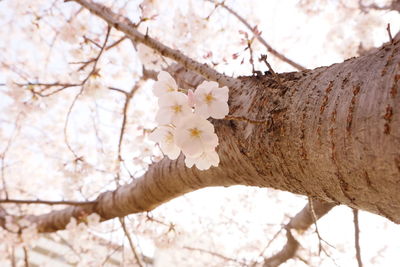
182, 119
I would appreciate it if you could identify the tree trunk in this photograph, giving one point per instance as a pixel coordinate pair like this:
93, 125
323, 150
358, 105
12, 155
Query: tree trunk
335, 132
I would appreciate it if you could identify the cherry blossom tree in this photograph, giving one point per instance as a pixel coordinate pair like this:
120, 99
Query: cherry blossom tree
112, 111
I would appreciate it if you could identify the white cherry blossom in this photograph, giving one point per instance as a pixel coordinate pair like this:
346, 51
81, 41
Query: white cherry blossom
150, 58
164, 135
93, 219
165, 84
94, 87
204, 161
172, 108
211, 101
194, 135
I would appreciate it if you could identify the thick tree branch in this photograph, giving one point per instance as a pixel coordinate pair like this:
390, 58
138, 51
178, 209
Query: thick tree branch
286, 253
124, 25
304, 219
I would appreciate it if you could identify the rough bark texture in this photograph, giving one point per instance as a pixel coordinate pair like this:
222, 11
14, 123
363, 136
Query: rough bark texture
332, 133
336, 132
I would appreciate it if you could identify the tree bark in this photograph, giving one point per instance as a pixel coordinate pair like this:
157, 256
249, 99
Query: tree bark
332, 133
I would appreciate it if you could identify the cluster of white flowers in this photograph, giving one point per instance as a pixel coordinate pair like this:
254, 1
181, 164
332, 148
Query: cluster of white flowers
83, 251
20, 232
183, 124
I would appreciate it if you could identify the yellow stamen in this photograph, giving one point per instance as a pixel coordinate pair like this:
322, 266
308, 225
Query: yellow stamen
194, 132
177, 108
208, 98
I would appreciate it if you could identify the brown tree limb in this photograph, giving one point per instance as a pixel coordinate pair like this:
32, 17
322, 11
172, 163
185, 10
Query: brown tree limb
304, 219
357, 238
301, 222
286, 253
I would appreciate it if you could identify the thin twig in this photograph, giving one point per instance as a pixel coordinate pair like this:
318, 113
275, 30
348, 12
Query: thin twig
267, 246
286, 253
46, 202
214, 254
390, 33
357, 238
94, 116
149, 217
68, 244
88, 40
314, 217
116, 43
94, 70
301, 222
63, 86
67, 121
56, 35
320, 239
117, 90
109, 255
13, 258
263, 58
138, 260
3, 154
26, 256
128, 98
